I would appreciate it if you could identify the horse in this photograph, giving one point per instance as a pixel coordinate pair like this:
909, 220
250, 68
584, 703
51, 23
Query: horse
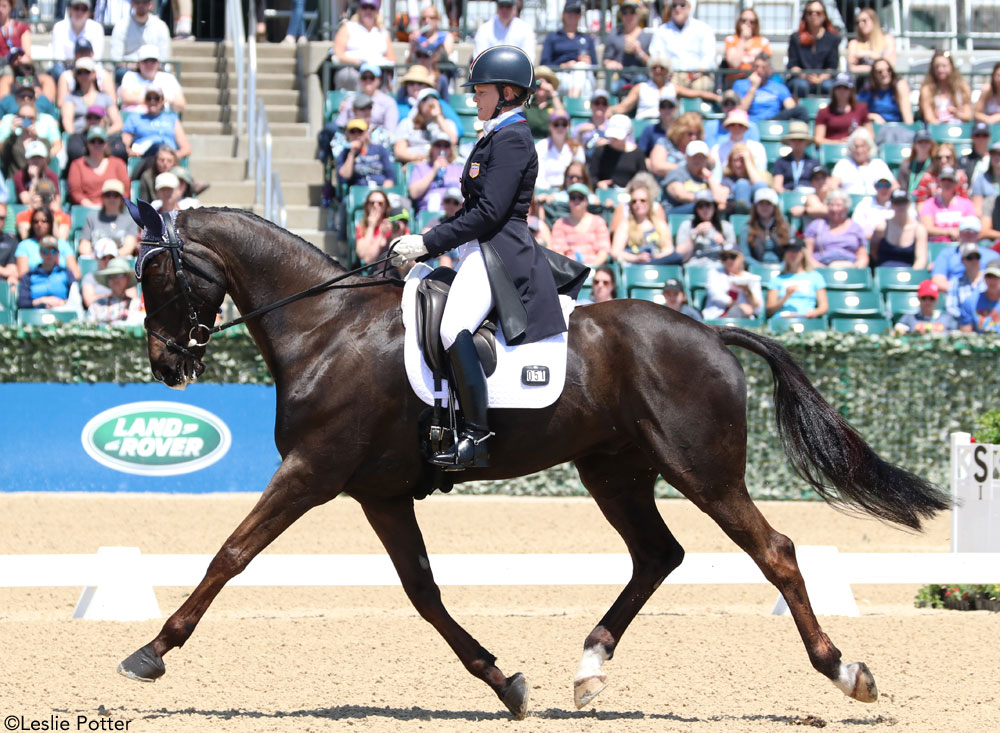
649, 392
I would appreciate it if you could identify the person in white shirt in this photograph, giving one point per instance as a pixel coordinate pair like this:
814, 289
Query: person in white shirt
76, 25
132, 91
140, 28
689, 42
556, 152
859, 172
505, 29
736, 124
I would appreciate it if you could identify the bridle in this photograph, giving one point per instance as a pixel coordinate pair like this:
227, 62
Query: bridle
175, 246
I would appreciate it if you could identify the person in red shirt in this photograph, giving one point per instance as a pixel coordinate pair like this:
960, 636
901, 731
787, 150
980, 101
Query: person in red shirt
13, 33
844, 114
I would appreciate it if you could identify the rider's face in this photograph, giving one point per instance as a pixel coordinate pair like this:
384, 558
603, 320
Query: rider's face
486, 97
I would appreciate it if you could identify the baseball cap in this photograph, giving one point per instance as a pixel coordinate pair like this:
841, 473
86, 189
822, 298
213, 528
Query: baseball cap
993, 269
730, 97
921, 135
113, 185
45, 186
766, 194
429, 92
969, 248
357, 124
361, 100
600, 94
97, 133
668, 94
505, 2
672, 283
797, 243
398, 213
619, 127
453, 193
35, 149
371, 3
949, 173
105, 247
166, 180
928, 288
96, 110
969, 224
899, 196
149, 51
82, 46
579, 188
84, 62
843, 79
371, 68
704, 196
572, 6
558, 116
440, 136
696, 147
980, 128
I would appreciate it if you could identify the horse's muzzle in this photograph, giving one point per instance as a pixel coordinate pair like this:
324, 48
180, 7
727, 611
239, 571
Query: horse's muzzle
184, 372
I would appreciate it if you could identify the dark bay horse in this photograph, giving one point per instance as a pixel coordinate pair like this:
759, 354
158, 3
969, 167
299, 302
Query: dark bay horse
648, 392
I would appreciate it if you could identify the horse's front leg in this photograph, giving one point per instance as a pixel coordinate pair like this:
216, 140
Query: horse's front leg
396, 525
288, 496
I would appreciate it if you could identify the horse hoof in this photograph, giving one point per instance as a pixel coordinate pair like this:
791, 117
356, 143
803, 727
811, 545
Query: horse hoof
144, 665
586, 689
515, 696
864, 684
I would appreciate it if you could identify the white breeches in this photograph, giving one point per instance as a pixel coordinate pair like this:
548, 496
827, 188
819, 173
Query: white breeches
470, 299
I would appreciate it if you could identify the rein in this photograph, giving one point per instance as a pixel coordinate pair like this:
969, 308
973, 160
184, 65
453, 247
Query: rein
174, 245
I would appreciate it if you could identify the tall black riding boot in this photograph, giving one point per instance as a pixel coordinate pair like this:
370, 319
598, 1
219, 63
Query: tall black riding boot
470, 450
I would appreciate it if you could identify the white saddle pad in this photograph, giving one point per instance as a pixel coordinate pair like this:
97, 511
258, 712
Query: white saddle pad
505, 386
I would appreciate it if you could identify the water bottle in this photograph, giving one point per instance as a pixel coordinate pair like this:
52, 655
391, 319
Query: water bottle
46, 10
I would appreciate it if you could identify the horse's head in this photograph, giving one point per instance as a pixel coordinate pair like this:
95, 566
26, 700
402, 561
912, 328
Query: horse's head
183, 287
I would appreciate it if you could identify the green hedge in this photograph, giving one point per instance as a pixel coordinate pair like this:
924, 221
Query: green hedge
905, 395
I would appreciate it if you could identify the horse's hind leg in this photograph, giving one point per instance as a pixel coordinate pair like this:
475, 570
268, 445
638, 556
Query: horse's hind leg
286, 499
396, 525
774, 554
622, 485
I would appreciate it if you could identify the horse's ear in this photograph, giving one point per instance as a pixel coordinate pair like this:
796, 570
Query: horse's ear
150, 221
133, 211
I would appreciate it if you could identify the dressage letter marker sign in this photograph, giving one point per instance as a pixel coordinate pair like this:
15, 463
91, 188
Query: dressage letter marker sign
975, 485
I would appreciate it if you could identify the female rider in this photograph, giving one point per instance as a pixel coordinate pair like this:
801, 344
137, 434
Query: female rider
501, 265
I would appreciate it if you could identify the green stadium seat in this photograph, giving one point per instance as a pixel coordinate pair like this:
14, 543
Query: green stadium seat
424, 218
7, 318
774, 149
611, 197
694, 104
933, 249
901, 302
356, 196
577, 106
772, 130
781, 324
895, 153
44, 317
332, 103
765, 270
675, 221
462, 103
653, 296
10, 225
856, 198
855, 303
846, 278
830, 153
8, 297
737, 322
696, 276
471, 126
87, 265
866, 326
790, 199
78, 214
648, 277
899, 278
951, 132
639, 125
813, 105
739, 222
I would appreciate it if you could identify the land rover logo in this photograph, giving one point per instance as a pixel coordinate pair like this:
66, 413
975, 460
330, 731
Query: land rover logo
156, 438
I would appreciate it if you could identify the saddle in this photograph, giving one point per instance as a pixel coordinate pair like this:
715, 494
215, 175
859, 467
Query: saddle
432, 296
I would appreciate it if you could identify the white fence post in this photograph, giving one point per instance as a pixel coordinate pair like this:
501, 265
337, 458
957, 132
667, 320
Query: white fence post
829, 590
122, 593
975, 487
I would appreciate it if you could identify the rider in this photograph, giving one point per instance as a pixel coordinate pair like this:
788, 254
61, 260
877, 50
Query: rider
501, 264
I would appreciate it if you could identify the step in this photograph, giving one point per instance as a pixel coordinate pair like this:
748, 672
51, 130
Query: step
264, 66
298, 171
297, 193
323, 240
196, 128
205, 112
217, 145
307, 217
211, 169
291, 128
211, 79
293, 147
228, 193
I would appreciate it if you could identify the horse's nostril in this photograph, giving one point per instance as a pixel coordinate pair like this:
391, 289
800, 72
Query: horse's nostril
157, 375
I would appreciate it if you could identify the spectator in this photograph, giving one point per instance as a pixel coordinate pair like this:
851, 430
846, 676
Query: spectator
743, 178
639, 236
930, 318
743, 47
46, 198
794, 171
668, 152
645, 97
685, 182
415, 133
702, 238
88, 174
981, 312
571, 51
556, 152
614, 164
384, 110
418, 82
813, 54
168, 193
870, 44
929, 185
944, 94
139, 29
977, 160
581, 235
429, 40
132, 91
67, 32
715, 133
590, 134
49, 283
900, 240
627, 46
373, 233
121, 305
17, 130
505, 29
8, 246
836, 241
361, 40
333, 142
951, 262
602, 286
536, 224
26, 180
166, 160
843, 115
815, 204
874, 210
84, 95
798, 291
544, 103
28, 254
185, 189
985, 190
143, 133
296, 32
662, 156
969, 281
16, 33
431, 178
764, 95
675, 299
690, 45
736, 125
26, 95
451, 204
731, 291
20, 72
913, 168
111, 223
887, 95
766, 233
858, 173
104, 80
363, 163
988, 105
942, 213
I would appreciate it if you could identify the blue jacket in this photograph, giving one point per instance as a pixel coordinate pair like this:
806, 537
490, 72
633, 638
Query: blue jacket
560, 48
37, 283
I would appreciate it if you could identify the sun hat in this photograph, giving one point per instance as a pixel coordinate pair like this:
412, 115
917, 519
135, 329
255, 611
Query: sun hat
619, 127
166, 180
117, 266
418, 73
113, 185
797, 130
737, 117
544, 72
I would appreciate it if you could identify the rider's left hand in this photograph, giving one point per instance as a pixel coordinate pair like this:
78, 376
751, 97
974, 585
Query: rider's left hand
407, 248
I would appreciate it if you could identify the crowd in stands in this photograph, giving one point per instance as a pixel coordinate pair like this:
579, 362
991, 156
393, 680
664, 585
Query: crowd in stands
98, 123
749, 188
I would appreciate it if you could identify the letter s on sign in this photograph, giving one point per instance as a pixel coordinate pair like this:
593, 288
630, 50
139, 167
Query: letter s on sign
978, 457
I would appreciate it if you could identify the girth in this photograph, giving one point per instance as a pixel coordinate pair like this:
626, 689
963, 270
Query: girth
432, 296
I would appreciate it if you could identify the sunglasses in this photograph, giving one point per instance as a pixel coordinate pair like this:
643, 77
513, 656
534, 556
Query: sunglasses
599, 103
678, 5
816, 12
442, 144
728, 256
367, 77
640, 201
747, 20
49, 251
971, 257
577, 197
628, 11
354, 131
153, 97
559, 123
927, 297
883, 184
78, 72
39, 221
574, 177
109, 194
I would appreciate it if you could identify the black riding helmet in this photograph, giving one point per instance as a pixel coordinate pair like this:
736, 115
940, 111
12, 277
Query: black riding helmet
503, 66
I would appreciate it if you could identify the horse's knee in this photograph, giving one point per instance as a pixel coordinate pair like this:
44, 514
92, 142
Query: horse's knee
227, 563
654, 564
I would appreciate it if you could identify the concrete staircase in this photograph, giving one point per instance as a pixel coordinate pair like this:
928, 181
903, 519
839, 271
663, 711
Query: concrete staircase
219, 156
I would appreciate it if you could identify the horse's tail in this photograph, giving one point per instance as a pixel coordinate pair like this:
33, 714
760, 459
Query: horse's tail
828, 453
